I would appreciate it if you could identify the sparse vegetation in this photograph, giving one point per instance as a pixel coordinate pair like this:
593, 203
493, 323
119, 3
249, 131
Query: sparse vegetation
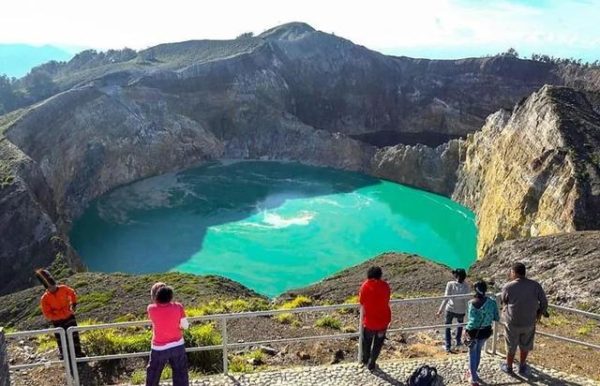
228, 306
45, 343
94, 300
245, 35
6, 175
349, 329
114, 341
238, 364
60, 268
246, 363
204, 335
587, 328
286, 318
297, 302
329, 322
349, 300
138, 377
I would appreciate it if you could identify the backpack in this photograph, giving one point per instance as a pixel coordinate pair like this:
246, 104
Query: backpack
423, 376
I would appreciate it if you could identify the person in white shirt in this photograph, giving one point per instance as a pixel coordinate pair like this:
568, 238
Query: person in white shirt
455, 308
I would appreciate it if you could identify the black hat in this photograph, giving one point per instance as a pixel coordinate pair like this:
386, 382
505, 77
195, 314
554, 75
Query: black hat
45, 278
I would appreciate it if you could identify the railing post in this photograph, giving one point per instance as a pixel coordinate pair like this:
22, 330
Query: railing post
360, 333
66, 356
224, 342
495, 339
72, 355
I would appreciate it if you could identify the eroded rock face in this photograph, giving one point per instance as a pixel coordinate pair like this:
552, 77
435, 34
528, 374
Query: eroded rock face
432, 169
567, 266
29, 235
535, 172
87, 141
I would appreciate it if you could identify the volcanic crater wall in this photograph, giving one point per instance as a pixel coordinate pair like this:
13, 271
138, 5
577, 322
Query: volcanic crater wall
294, 93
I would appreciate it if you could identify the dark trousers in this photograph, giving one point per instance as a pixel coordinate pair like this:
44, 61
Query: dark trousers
176, 357
371, 345
65, 324
450, 316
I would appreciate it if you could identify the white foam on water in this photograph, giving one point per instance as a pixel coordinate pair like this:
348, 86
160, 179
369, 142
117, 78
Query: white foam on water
276, 221
327, 201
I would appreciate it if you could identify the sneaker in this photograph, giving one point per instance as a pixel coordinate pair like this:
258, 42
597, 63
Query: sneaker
524, 370
508, 370
372, 367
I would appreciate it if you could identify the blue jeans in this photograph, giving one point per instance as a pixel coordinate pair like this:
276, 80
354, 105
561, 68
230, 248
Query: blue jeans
475, 357
450, 316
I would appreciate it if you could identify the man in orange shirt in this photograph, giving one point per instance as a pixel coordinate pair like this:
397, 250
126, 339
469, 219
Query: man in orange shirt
58, 305
374, 297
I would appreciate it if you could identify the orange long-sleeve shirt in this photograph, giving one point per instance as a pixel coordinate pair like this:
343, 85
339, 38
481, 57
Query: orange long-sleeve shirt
57, 305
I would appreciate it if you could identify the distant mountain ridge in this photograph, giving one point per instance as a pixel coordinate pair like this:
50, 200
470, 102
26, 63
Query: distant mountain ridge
16, 60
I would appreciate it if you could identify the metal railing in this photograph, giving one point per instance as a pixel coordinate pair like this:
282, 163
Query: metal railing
63, 342
226, 345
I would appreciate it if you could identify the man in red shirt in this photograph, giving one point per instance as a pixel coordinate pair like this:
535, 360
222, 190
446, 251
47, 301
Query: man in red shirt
374, 297
58, 305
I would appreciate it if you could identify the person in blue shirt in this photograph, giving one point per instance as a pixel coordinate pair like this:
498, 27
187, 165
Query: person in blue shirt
482, 313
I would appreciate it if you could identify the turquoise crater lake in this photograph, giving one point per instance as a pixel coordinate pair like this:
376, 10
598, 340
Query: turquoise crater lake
270, 226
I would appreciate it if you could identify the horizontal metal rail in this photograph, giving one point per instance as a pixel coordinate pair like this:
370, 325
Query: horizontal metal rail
63, 343
426, 328
256, 314
570, 340
587, 314
36, 364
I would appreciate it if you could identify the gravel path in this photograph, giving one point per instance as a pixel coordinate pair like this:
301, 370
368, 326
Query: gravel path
452, 371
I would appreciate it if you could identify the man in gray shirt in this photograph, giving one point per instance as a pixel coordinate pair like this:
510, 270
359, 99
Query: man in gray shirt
524, 303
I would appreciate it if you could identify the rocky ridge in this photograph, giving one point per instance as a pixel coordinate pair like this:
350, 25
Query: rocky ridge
536, 171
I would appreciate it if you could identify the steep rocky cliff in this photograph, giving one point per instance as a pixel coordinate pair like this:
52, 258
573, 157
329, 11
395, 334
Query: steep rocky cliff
292, 93
29, 234
535, 172
428, 168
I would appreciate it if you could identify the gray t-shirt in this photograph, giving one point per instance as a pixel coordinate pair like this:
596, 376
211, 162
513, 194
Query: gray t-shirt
458, 306
523, 299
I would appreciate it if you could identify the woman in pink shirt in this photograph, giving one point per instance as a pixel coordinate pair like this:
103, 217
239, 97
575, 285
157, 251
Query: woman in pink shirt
168, 319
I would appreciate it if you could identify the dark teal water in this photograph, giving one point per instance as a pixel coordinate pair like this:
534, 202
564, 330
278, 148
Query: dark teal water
270, 226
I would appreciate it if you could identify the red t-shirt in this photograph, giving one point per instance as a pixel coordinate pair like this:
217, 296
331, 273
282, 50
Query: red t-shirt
374, 296
166, 319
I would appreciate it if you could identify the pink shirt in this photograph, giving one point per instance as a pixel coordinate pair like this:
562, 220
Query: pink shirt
166, 329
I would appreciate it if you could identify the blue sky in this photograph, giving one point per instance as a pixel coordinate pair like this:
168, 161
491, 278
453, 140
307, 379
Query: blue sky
426, 28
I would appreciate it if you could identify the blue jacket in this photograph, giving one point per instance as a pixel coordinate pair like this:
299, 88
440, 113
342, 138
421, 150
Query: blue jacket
484, 316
